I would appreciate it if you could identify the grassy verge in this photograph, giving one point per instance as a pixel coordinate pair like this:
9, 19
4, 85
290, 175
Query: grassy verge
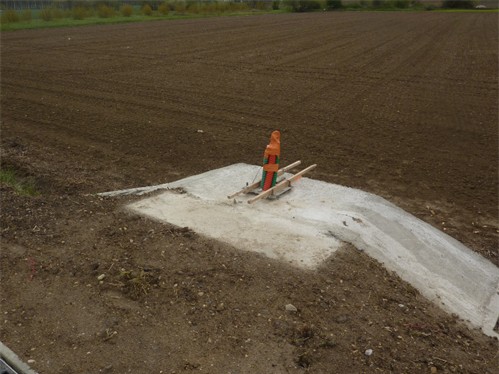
69, 22
23, 186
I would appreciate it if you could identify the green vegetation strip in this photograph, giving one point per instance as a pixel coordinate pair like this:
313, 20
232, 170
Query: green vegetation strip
97, 12
23, 186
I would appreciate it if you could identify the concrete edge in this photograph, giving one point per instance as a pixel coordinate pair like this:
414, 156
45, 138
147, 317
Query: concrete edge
492, 315
14, 361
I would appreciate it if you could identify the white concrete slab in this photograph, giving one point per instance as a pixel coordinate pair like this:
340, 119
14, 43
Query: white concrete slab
307, 225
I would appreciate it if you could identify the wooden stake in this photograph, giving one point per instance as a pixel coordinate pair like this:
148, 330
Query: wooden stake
251, 187
282, 185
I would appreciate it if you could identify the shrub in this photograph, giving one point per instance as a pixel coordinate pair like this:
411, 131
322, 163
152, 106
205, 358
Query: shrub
26, 15
222, 7
147, 10
46, 14
276, 5
303, 5
180, 7
79, 12
262, 5
104, 11
209, 8
238, 7
354, 5
164, 9
10, 16
402, 4
334, 4
126, 10
458, 4
194, 8
57, 13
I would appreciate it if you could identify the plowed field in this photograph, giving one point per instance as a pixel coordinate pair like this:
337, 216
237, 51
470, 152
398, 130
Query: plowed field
403, 105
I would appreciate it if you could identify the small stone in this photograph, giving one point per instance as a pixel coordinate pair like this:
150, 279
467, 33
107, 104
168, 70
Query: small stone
433, 370
291, 308
342, 319
401, 306
31, 361
368, 352
200, 131
220, 307
200, 293
101, 277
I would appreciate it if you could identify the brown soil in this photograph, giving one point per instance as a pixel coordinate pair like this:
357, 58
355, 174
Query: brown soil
403, 105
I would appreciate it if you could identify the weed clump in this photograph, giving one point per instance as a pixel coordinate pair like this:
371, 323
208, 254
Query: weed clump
23, 186
137, 283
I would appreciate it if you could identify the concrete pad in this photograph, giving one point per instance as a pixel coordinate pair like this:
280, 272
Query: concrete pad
308, 224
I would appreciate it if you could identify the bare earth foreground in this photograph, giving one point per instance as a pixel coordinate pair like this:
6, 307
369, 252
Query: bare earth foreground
403, 105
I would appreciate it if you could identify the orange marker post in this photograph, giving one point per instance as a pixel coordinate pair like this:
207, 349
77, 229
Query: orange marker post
271, 161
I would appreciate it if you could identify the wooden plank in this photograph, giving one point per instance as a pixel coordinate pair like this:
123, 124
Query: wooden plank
282, 185
251, 187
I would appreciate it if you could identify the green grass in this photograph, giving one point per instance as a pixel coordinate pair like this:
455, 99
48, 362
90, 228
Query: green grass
70, 22
23, 186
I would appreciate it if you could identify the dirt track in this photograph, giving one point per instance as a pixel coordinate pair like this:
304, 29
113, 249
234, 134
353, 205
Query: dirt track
403, 105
